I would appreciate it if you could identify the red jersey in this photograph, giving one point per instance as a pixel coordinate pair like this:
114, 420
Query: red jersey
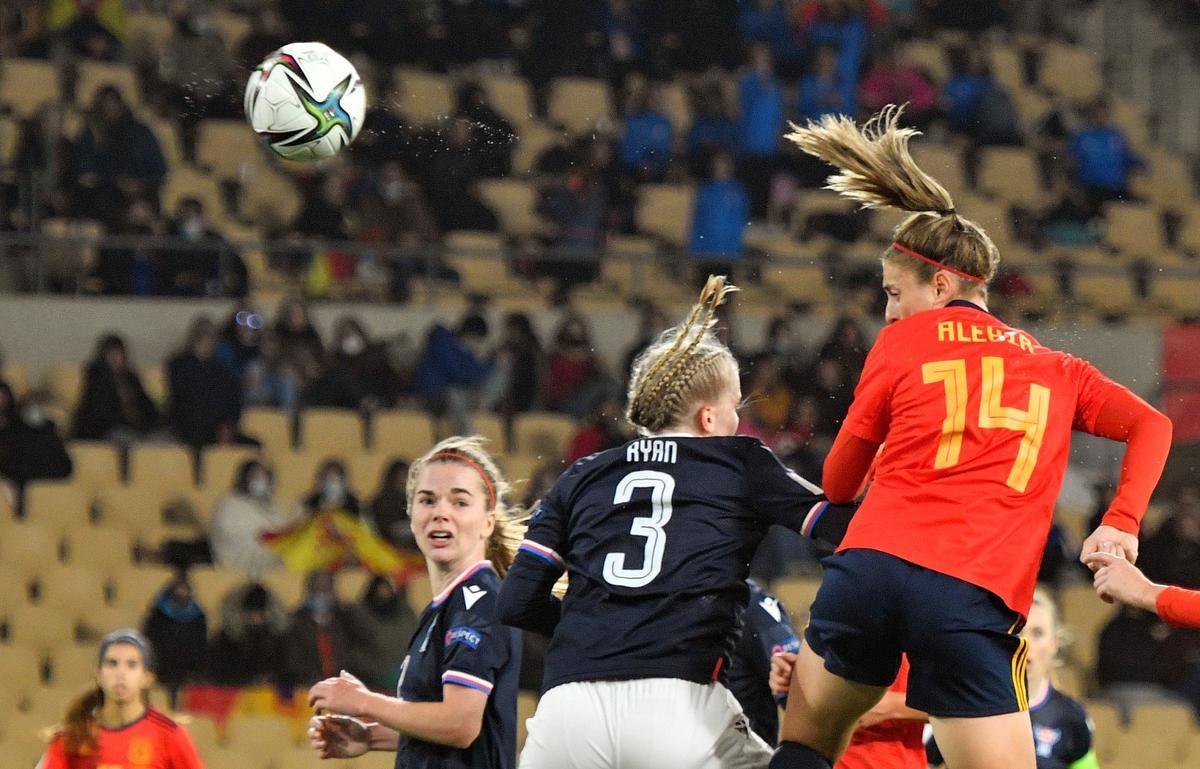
1179, 607
151, 742
895, 744
976, 420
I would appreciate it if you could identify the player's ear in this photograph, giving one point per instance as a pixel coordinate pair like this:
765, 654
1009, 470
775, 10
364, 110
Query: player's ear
706, 419
943, 286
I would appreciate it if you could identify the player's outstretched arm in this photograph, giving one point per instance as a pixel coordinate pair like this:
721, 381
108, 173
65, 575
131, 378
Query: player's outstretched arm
1146, 433
1118, 580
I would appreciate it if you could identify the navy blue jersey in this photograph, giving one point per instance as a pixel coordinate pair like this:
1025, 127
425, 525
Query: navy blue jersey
1062, 734
460, 642
657, 537
766, 630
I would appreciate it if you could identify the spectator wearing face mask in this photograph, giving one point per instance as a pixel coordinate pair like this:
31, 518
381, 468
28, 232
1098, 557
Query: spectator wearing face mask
203, 263
387, 622
114, 405
241, 517
248, 649
178, 631
357, 374
323, 635
453, 371
331, 491
30, 447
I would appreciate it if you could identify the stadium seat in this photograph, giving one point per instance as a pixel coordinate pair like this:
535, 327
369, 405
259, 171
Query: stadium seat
269, 198
1085, 616
97, 466
287, 585
227, 146
106, 548
272, 427
511, 96
1106, 292
219, 465
581, 105
519, 469
485, 274
489, 426
1134, 228
295, 475
418, 593
945, 163
69, 253
1171, 722
40, 628
183, 182
259, 734
17, 376
513, 201
406, 433
1072, 681
1070, 71
1143, 748
73, 588
206, 736
65, 382
136, 510
799, 281
366, 471
526, 706
928, 56
534, 139
542, 433
168, 470
1108, 727
58, 505
1178, 293
21, 669
232, 27
1005, 61
148, 32
94, 75
1166, 180
14, 586
665, 211
210, 586
676, 106
71, 667
138, 587
1012, 174
331, 431
28, 547
425, 98
351, 584
26, 84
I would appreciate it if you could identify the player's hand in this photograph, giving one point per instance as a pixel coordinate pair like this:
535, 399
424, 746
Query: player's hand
339, 736
781, 672
1119, 580
344, 695
1106, 539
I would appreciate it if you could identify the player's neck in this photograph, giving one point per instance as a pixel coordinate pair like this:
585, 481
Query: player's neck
1038, 690
114, 715
442, 574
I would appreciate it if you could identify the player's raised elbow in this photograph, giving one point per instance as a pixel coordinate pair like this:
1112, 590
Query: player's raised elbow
464, 734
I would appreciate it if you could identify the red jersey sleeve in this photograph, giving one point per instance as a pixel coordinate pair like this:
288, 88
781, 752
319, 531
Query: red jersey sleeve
1179, 607
181, 751
870, 412
55, 757
1094, 391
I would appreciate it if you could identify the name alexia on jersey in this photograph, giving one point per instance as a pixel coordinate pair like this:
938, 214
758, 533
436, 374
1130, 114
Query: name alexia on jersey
651, 450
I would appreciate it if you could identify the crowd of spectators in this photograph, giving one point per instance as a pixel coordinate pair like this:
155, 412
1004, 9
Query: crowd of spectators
751, 67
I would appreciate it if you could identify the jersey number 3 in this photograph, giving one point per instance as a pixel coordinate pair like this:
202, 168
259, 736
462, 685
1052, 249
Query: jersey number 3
992, 414
661, 487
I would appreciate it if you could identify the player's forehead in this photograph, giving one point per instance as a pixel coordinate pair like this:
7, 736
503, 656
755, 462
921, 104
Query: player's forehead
122, 652
447, 477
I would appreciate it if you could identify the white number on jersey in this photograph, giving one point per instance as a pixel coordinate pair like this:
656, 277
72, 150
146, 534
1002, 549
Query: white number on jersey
661, 487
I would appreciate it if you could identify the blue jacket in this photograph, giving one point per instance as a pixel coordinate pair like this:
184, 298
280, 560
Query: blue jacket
647, 142
815, 99
1103, 157
762, 115
447, 363
722, 212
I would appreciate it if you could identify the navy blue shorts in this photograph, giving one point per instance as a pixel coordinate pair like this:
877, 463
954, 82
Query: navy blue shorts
965, 656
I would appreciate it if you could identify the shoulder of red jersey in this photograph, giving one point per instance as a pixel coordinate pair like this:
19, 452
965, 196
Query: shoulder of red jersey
161, 720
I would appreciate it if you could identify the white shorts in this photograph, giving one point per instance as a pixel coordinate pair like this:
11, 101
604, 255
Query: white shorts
651, 723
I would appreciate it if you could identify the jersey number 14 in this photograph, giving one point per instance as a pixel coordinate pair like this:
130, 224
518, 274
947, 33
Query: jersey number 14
661, 487
993, 414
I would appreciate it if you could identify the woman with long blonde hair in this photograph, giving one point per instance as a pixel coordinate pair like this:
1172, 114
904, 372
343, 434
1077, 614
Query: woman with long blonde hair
975, 421
656, 536
456, 702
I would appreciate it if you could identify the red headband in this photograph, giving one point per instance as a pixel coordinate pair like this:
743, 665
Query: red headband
939, 265
478, 468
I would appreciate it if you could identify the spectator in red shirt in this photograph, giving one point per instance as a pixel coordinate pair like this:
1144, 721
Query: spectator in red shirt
576, 380
893, 80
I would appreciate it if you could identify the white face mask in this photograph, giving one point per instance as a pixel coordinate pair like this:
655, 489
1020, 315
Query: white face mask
260, 488
353, 345
334, 488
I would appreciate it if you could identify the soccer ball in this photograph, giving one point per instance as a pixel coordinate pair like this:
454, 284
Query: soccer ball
305, 101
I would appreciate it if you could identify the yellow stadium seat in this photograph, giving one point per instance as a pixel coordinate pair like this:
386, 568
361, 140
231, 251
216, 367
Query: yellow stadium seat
945, 163
219, 465
513, 201
542, 434
14, 586
351, 584
17, 376
21, 668
581, 105
295, 475
26, 84
1070, 71
331, 431
65, 382
418, 593
1166, 181
58, 505
232, 27
136, 510
73, 666
148, 31
1179, 293
798, 281
1012, 174
473, 241
28, 547
928, 56
1149, 749
260, 734
210, 586
511, 96
154, 382
533, 139
1134, 228
1005, 61
425, 98
269, 197
490, 427
97, 466
485, 274
106, 548
183, 182
1108, 729
138, 587
665, 211
72, 588
1071, 680
167, 470
94, 75
1171, 722
406, 433
273, 427
518, 469
1190, 750
205, 735
366, 471
1106, 292
287, 585
676, 106
1085, 615
526, 706
167, 134
40, 628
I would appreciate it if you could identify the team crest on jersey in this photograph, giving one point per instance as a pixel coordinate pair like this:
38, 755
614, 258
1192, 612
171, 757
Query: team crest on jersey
467, 636
1046, 738
141, 752
472, 594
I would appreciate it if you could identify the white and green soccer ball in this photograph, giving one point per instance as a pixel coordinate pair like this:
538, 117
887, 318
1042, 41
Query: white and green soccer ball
305, 101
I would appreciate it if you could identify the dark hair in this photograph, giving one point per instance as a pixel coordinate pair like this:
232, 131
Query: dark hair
473, 325
245, 470
108, 343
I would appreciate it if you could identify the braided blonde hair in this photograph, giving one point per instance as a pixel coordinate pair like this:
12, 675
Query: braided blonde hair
511, 521
878, 171
687, 365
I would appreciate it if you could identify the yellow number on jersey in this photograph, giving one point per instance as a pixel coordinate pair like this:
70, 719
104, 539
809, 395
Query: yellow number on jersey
993, 414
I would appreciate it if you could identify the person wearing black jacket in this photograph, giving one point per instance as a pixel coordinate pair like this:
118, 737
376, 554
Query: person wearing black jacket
205, 397
114, 403
30, 447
